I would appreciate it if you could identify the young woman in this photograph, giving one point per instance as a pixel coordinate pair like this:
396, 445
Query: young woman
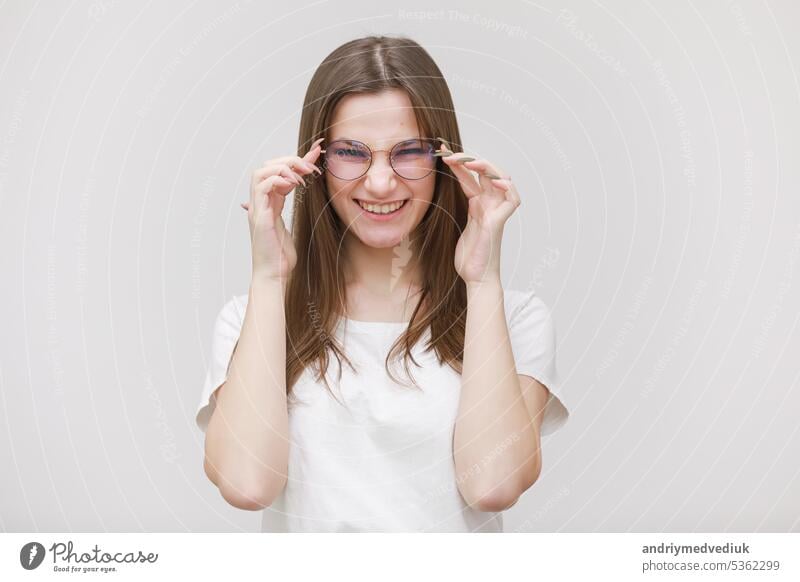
394, 251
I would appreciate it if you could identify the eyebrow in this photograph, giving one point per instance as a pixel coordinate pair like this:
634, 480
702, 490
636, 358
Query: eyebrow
352, 139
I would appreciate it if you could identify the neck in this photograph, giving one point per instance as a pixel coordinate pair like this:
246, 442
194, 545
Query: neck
382, 271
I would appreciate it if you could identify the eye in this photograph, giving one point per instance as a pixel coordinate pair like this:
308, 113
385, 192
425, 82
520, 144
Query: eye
349, 153
414, 148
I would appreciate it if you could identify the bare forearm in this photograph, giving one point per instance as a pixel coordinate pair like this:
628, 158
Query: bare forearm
495, 444
247, 436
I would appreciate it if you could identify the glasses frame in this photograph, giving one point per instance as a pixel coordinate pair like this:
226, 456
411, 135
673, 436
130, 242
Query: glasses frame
389, 152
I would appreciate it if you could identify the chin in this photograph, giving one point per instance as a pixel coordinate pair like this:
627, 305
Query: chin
382, 240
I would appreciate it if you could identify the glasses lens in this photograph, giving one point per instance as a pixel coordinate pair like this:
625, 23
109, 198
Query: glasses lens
414, 159
347, 160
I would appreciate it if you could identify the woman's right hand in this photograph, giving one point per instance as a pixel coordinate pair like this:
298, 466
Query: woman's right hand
273, 250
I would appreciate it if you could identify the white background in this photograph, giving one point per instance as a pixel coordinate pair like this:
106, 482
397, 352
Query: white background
655, 146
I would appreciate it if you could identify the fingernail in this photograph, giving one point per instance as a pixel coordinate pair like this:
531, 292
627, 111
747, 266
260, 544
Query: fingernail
447, 145
442, 154
493, 177
465, 159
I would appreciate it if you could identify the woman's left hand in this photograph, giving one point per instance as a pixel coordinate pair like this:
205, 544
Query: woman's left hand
491, 203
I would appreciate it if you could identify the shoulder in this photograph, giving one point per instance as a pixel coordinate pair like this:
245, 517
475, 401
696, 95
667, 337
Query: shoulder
238, 303
514, 297
231, 314
523, 303
530, 320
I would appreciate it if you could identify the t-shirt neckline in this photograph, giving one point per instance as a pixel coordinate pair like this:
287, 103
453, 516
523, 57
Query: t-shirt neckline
355, 324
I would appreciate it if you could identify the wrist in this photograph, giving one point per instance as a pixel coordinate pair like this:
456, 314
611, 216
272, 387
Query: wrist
263, 282
490, 284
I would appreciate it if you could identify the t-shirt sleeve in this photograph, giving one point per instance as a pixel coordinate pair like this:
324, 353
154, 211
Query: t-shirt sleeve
227, 328
533, 343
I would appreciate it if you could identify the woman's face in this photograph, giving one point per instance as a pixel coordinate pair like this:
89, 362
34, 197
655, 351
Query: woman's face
380, 121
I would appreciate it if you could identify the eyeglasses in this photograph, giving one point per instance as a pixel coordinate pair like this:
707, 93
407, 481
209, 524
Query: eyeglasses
412, 159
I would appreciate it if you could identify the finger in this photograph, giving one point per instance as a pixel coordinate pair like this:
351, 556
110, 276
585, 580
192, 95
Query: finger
312, 154
509, 191
485, 167
288, 172
507, 208
284, 170
305, 165
466, 179
314, 151
276, 194
260, 204
277, 184
312, 157
503, 184
489, 175
297, 164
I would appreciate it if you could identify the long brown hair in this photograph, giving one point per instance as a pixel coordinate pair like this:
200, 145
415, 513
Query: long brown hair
316, 289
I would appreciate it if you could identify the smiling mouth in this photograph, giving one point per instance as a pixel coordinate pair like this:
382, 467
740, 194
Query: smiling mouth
382, 209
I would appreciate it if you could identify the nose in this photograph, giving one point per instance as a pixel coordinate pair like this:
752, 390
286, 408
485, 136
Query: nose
380, 180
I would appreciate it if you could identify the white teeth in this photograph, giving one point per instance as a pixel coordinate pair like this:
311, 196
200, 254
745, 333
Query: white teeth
382, 208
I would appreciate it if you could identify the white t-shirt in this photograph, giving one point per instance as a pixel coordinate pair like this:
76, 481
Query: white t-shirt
385, 462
